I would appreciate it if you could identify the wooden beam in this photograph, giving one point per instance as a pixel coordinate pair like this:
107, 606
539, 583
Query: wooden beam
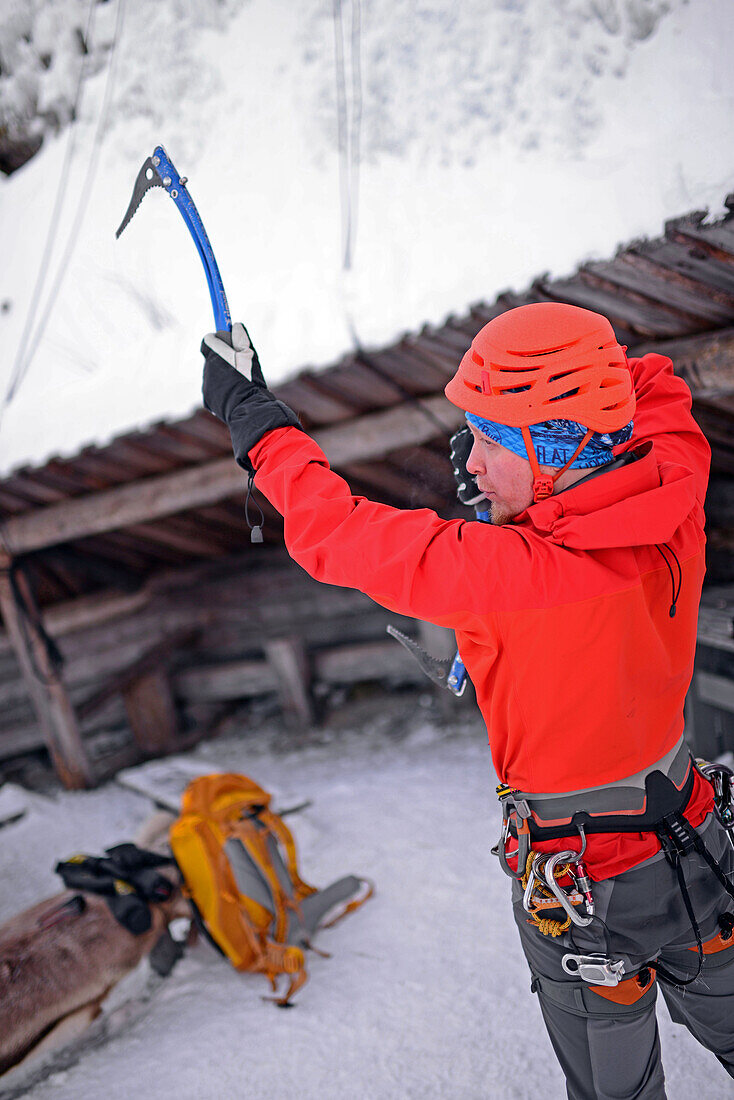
151, 713
26, 735
233, 680
85, 612
706, 361
43, 683
152, 497
345, 664
717, 691
715, 627
350, 664
152, 659
289, 661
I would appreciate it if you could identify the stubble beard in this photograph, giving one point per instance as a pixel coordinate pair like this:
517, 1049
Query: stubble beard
498, 516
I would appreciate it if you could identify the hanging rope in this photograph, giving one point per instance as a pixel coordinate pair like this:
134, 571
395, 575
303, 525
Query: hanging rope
349, 126
349, 123
18, 370
28, 348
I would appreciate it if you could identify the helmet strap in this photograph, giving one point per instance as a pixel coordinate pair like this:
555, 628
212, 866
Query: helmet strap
543, 484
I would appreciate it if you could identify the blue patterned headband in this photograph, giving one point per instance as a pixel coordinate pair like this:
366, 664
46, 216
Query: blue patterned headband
555, 441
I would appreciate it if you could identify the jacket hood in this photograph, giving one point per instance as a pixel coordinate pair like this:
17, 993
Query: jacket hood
640, 504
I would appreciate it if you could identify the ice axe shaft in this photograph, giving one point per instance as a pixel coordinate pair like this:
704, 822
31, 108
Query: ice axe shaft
158, 171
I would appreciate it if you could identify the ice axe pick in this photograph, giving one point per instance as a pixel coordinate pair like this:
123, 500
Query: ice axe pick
447, 672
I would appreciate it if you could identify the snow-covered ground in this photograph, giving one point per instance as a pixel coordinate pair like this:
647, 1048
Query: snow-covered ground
498, 140
426, 994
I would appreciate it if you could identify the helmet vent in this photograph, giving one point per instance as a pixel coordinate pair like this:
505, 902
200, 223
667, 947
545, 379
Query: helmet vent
545, 351
476, 358
568, 393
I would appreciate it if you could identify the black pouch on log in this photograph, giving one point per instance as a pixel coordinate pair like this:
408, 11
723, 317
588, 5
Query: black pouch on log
128, 879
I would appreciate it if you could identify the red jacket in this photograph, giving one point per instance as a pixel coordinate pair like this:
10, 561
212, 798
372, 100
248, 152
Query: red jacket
561, 617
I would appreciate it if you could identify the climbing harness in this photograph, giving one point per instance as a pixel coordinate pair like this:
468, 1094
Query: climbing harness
545, 889
652, 800
721, 779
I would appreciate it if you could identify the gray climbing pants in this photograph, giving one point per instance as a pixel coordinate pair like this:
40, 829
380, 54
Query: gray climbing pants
611, 1051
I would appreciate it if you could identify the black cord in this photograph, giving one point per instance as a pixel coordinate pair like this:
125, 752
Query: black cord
256, 532
662, 971
676, 592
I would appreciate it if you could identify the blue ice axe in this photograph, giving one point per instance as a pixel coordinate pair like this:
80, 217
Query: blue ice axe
158, 171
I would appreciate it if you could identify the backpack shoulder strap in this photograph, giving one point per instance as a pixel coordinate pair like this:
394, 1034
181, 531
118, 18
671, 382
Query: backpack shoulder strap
280, 830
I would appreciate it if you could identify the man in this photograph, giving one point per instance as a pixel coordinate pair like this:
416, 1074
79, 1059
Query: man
575, 614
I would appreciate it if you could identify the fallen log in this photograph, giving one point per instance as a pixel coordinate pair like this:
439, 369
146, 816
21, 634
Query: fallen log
58, 961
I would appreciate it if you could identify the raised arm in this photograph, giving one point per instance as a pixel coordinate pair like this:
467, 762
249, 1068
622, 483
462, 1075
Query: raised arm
409, 560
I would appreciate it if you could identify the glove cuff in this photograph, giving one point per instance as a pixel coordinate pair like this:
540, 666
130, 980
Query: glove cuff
261, 413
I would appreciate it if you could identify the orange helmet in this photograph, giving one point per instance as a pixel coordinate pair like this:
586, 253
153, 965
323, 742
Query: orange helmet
546, 361
541, 362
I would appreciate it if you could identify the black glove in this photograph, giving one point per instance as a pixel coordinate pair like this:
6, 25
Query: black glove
461, 444
234, 390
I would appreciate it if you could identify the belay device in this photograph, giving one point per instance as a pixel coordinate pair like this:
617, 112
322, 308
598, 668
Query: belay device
158, 171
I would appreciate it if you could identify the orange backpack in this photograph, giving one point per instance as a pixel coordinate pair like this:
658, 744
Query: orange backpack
238, 861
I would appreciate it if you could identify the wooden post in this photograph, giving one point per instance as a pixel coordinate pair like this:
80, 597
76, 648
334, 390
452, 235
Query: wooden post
151, 713
45, 687
287, 658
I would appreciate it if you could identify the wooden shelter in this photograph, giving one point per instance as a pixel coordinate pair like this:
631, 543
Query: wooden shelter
136, 610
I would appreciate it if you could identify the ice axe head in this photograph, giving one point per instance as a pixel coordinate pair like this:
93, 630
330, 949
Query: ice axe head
148, 177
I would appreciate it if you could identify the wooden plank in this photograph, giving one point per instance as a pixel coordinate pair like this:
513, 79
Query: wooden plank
289, 662
717, 691
691, 261
367, 438
704, 278
150, 659
715, 626
648, 284
319, 405
43, 683
706, 361
187, 538
368, 661
26, 735
151, 712
345, 664
712, 240
643, 317
234, 680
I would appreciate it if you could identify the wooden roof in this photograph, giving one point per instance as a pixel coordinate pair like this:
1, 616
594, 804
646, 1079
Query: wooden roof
674, 293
